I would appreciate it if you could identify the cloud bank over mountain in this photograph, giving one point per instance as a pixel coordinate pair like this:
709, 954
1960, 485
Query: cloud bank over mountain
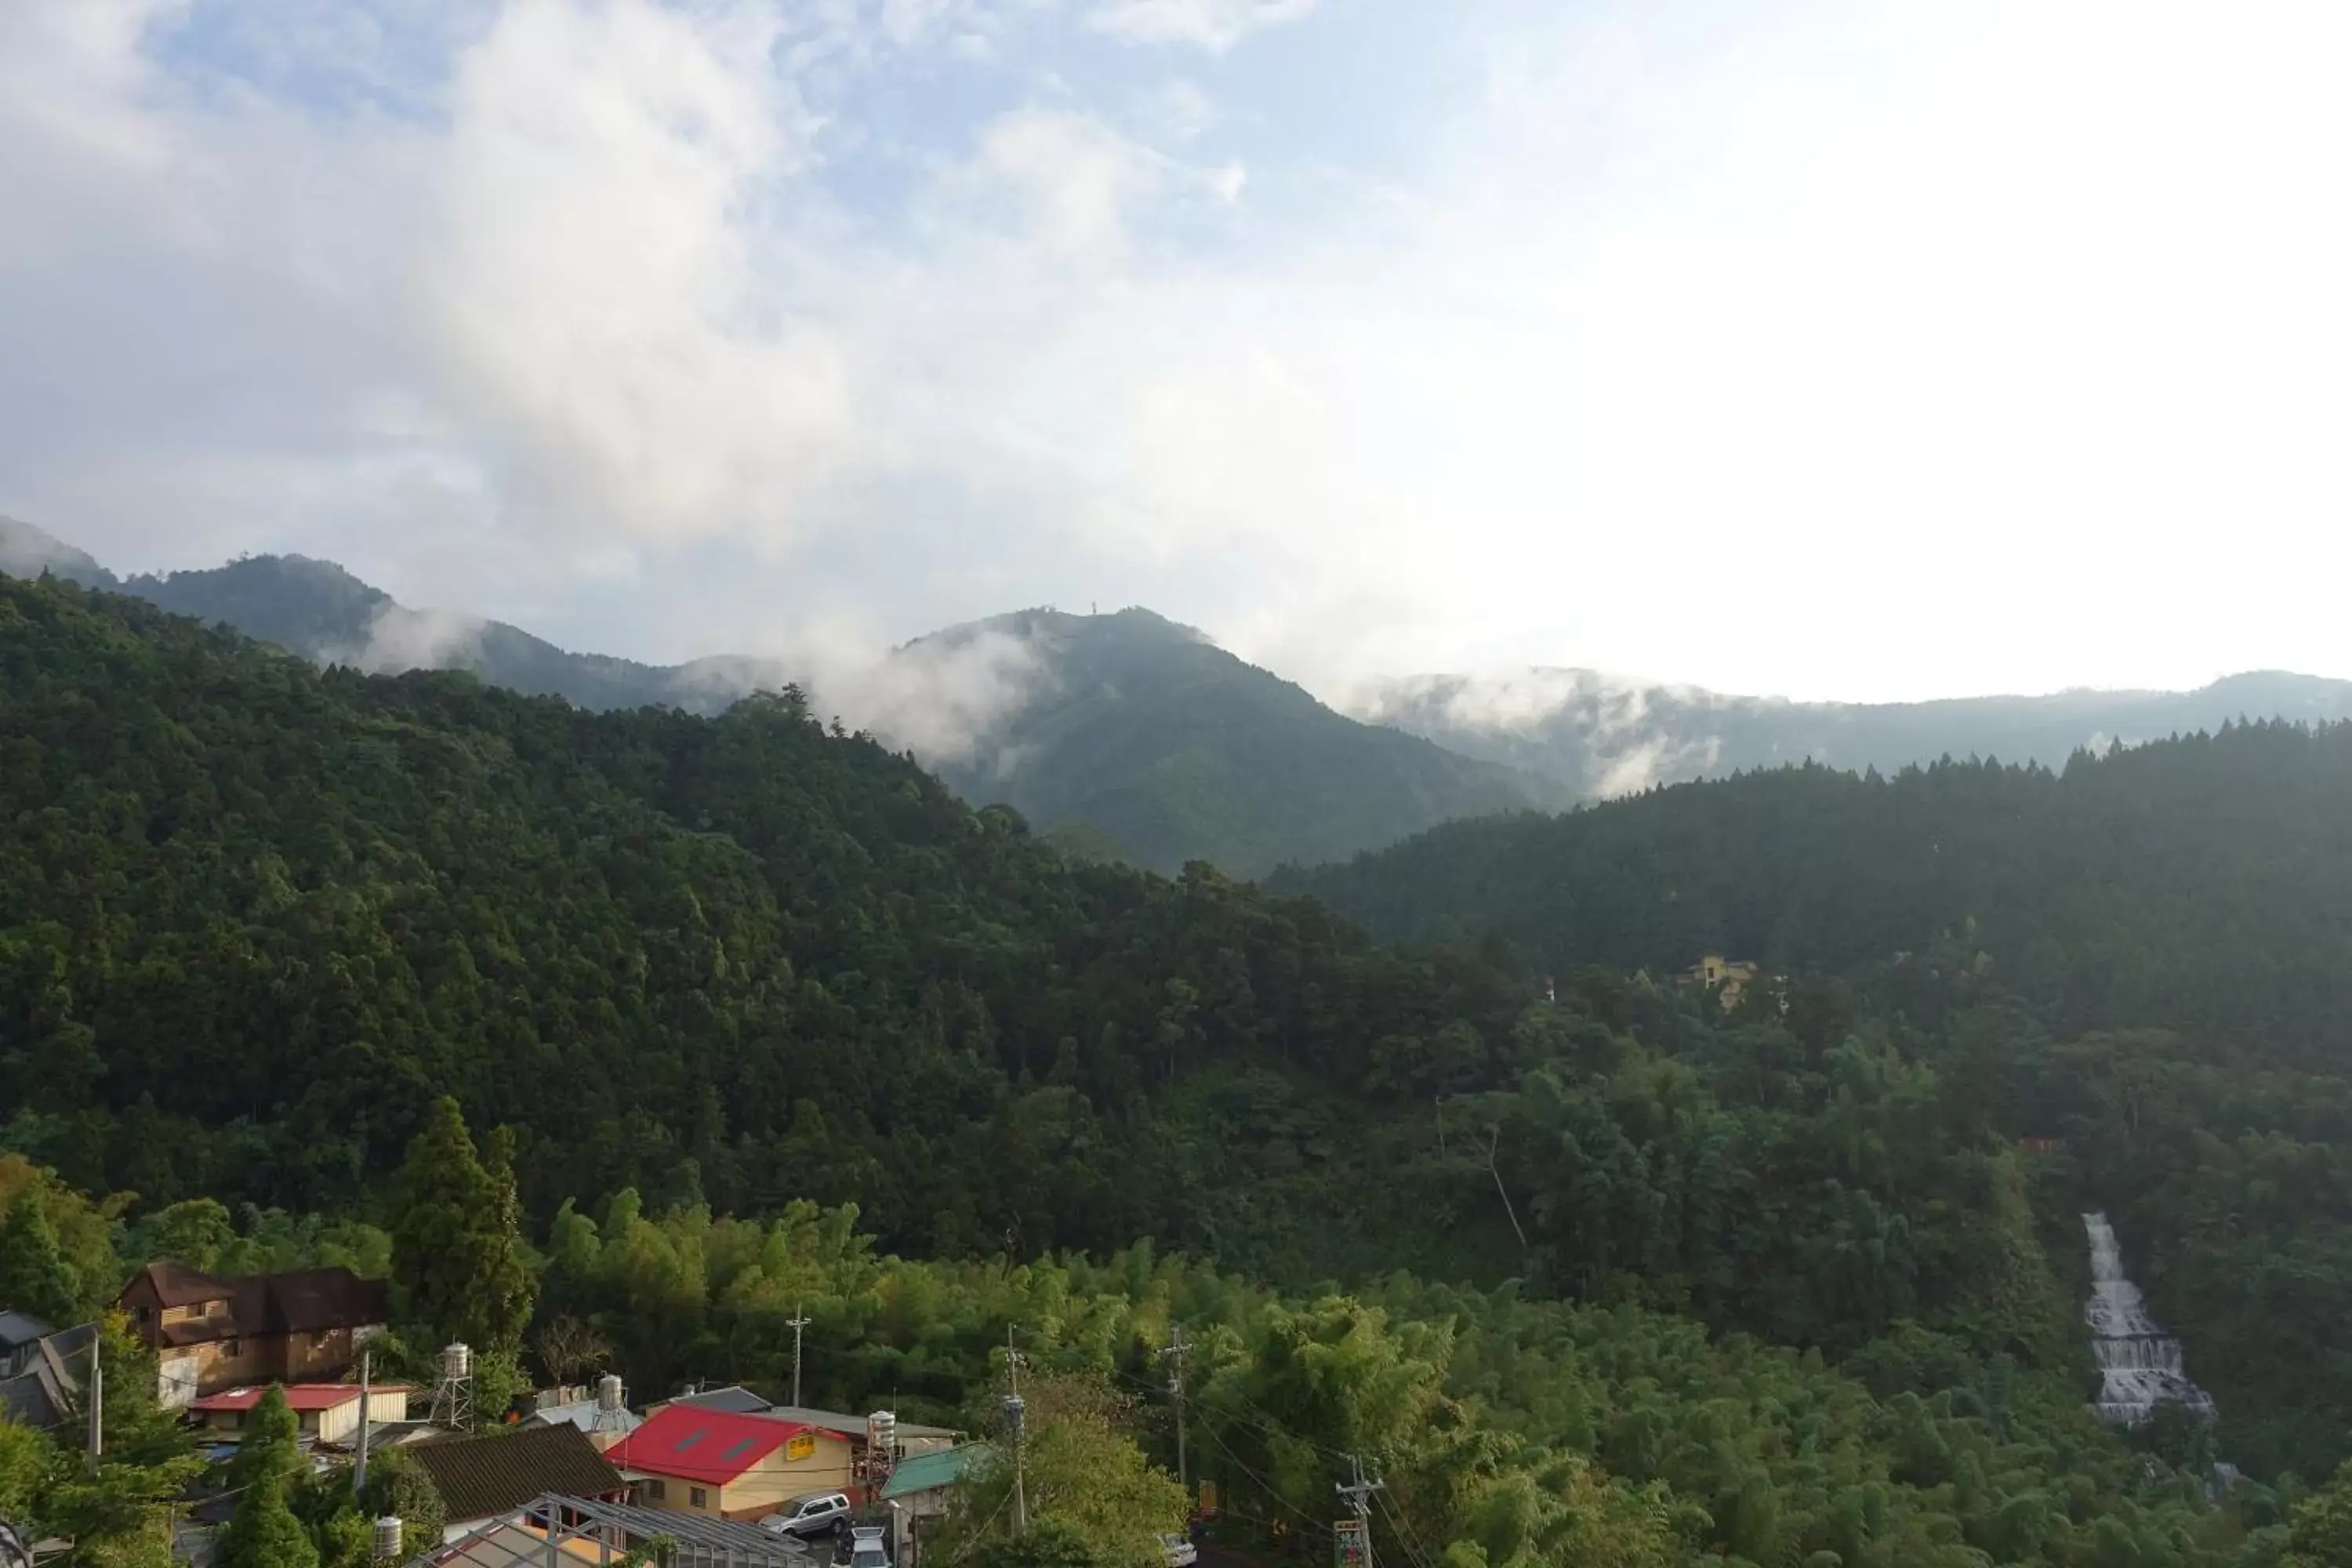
1857, 351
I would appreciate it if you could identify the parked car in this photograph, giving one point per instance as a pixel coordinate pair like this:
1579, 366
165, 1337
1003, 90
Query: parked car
810, 1516
1181, 1553
867, 1550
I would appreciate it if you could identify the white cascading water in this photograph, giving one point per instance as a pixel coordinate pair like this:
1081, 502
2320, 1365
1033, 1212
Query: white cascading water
2139, 1364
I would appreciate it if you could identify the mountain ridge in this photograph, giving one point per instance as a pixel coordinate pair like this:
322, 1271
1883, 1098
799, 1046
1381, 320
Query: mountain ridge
1604, 735
1133, 736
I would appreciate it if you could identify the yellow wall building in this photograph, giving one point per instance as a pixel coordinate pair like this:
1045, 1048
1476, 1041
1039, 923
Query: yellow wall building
696, 1461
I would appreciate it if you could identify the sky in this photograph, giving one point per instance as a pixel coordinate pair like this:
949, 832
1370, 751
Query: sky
1852, 351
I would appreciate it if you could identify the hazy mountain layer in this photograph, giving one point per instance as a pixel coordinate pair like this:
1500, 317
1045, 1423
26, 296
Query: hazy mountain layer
1125, 736
1128, 736
1149, 733
1604, 735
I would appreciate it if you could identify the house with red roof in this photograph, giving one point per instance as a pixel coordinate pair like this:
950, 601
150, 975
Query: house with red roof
699, 1461
324, 1412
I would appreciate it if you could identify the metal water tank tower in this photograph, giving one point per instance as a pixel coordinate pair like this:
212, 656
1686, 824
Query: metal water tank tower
387, 1538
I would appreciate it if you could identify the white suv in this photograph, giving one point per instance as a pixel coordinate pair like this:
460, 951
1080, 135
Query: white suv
811, 1515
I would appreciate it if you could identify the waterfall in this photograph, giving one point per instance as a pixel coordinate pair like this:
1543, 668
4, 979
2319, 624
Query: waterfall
2139, 1364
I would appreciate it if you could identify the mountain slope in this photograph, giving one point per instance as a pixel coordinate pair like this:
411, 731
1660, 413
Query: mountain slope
1603, 736
318, 610
1145, 730
254, 916
28, 552
1132, 737
2205, 881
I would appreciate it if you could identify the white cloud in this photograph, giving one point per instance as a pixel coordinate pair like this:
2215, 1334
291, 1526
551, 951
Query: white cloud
1843, 350
590, 277
1213, 24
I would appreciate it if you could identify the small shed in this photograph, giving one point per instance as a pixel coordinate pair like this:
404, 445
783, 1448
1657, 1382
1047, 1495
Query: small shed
324, 1412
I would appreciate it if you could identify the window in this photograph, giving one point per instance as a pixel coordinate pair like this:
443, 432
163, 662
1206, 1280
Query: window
699, 1498
656, 1489
233, 1349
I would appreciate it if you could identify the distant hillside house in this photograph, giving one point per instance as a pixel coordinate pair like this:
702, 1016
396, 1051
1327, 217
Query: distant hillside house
693, 1459
210, 1334
324, 1412
1726, 977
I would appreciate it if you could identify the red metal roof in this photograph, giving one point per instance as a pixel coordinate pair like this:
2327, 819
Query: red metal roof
298, 1395
698, 1444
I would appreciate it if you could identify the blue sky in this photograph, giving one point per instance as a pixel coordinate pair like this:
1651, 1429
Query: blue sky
1837, 350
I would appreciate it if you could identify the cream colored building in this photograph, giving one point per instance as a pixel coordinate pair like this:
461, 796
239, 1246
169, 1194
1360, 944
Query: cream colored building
692, 1459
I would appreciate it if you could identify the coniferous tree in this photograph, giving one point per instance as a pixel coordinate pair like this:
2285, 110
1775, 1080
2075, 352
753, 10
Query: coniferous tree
264, 1533
35, 1276
266, 1445
457, 1243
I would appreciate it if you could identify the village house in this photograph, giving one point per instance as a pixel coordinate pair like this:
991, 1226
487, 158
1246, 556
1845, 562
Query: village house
482, 1479
1726, 977
324, 1412
689, 1458
45, 1368
911, 1437
211, 1334
920, 1492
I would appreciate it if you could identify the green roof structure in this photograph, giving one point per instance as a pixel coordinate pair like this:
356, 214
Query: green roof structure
928, 1472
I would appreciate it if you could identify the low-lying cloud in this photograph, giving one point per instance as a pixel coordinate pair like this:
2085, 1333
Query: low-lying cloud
1731, 346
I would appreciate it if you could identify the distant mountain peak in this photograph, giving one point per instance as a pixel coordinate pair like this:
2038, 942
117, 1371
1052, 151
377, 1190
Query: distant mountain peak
1046, 623
28, 552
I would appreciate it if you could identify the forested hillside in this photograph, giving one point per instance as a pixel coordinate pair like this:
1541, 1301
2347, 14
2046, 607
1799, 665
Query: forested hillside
2203, 883
1177, 750
254, 919
1129, 738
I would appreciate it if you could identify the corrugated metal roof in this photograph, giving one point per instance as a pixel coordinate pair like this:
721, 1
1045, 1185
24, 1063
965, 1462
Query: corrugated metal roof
928, 1472
582, 1413
735, 1398
298, 1395
850, 1425
21, 1329
479, 1477
698, 1444
700, 1540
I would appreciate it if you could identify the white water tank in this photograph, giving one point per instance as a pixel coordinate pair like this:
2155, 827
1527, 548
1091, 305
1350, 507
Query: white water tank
387, 1538
608, 1392
457, 1361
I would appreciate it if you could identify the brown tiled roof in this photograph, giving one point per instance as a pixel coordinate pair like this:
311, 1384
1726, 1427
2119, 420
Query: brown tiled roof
304, 1301
312, 1298
479, 1477
177, 1285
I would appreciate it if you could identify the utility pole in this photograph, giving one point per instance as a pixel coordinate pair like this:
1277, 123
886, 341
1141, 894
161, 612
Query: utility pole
799, 1320
97, 1396
1174, 1356
1358, 1493
1016, 1411
359, 1466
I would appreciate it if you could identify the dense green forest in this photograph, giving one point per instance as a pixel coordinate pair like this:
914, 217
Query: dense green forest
1508, 1428
2203, 883
1778, 1280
